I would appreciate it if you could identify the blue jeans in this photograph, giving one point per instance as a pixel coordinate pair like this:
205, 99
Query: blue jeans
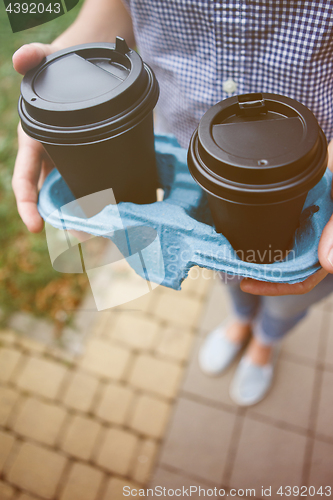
273, 317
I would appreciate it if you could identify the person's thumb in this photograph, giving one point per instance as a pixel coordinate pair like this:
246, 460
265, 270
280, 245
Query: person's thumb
30, 55
330, 161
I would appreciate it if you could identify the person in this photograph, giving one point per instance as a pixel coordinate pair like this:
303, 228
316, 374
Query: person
203, 51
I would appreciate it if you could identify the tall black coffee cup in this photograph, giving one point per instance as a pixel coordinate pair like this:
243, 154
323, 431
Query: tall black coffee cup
257, 156
91, 106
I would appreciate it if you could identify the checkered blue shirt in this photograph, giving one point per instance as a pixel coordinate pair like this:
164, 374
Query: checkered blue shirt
196, 46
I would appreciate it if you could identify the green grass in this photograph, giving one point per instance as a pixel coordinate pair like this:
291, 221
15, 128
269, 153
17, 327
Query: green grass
27, 280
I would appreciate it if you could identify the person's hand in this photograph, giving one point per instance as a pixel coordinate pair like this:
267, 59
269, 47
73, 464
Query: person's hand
325, 255
32, 162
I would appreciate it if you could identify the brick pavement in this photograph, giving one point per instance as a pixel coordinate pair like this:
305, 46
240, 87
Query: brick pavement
134, 409
79, 427
285, 440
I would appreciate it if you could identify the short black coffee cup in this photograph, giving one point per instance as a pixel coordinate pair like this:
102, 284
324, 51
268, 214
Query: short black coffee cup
257, 156
91, 106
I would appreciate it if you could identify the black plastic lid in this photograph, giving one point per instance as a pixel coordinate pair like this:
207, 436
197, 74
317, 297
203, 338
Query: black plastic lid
258, 143
85, 85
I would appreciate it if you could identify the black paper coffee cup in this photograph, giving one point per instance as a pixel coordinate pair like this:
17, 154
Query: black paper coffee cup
257, 156
91, 106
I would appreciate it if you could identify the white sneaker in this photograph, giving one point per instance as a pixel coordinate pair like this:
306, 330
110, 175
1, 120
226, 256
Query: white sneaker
217, 351
252, 382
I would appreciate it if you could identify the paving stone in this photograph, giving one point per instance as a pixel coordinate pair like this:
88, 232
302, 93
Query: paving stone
6, 491
42, 331
82, 483
324, 418
291, 395
105, 359
9, 360
80, 391
31, 345
329, 346
198, 281
80, 437
176, 481
303, 340
40, 421
114, 489
210, 388
190, 283
156, 375
8, 398
37, 470
114, 403
145, 461
135, 330
72, 341
117, 451
217, 307
144, 303
198, 440
321, 467
150, 416
86, 315
174, 343
178, 308
42, 376
6, 445
123, 291
267, 456
104, 322
327, 302
62, 356
8, 336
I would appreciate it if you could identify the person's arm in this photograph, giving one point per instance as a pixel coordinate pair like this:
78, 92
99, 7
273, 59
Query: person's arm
325, 256
98, 21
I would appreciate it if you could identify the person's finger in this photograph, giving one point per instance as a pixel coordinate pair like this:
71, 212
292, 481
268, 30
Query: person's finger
25, 179
256, 287
30, 55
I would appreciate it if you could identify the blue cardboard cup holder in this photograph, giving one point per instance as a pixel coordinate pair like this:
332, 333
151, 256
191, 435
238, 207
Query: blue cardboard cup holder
183, 225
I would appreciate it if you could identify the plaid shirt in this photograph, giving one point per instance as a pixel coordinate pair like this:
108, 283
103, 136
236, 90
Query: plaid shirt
203, 51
